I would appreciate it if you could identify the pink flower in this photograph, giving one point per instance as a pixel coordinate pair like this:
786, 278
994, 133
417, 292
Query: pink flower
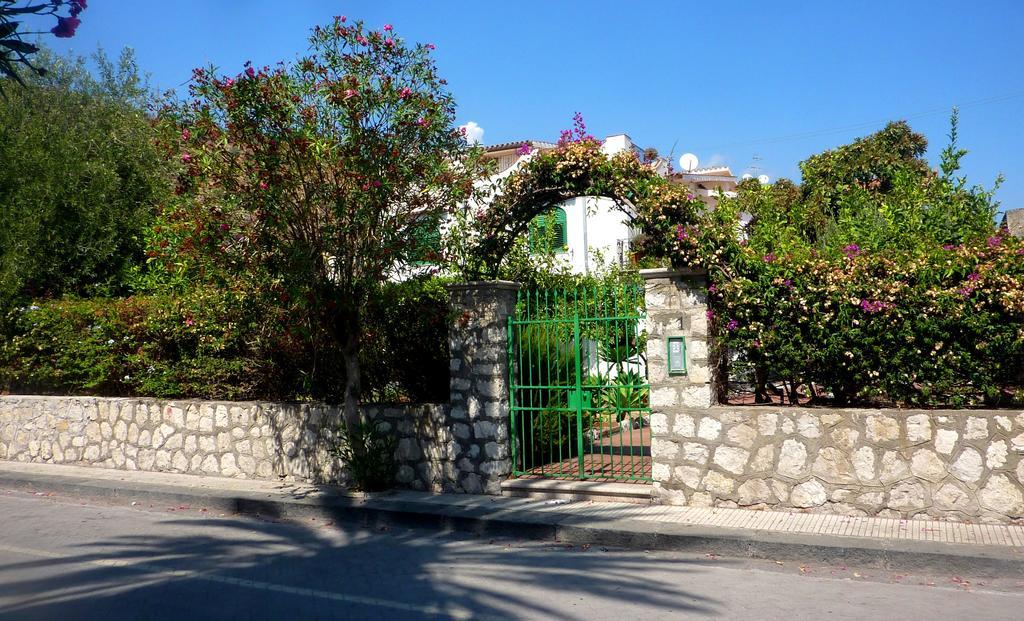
66, 26
189, 322
342, 19
851, 251
405, 92
524, 149
350, 93
224, 227
387, 27
228, 82
709, 314
250, 72
389, 42
994, 241
974, 277
186, 158
948, 246
361, 39
422, 122
185, 134
770, 257
732, 325
431, 46
689, 197
263, 185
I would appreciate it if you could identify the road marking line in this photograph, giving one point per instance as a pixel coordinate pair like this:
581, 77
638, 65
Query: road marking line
455, 613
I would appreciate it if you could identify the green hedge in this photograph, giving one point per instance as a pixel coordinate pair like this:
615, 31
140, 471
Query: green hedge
213, 344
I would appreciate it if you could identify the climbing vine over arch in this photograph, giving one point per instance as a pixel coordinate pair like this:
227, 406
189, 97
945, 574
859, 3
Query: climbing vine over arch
576, 167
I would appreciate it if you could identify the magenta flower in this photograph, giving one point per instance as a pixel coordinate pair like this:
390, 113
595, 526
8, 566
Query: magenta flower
431, 46
710, 314
851, 251
342, 19
405, 92
974, 277
66, 26
874, 306
689, 197
524, 149
250, 72
713, 289
389, 42
350, 93
994, 241
756, 344
361, 39
186, 158
224, 227
77, 6
948, 246
185, 134
770, 257
387, 27
732, 325
189, 322
422, 122
788, 283
263, 185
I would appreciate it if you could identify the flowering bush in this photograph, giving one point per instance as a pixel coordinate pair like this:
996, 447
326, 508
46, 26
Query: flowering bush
877, 280
312, 181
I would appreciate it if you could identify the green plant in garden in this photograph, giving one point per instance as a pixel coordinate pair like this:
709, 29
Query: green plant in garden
80, 179
368, 451
312, 179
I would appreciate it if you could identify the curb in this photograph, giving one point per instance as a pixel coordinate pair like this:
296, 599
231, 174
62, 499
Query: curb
473, 515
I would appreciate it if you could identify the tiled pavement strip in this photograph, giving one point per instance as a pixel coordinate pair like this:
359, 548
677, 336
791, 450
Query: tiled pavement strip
1000, 535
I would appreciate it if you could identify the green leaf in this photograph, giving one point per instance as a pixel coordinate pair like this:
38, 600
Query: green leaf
20, 46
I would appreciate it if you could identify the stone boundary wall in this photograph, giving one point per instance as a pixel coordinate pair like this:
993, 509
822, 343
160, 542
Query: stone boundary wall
958, 465
261, 440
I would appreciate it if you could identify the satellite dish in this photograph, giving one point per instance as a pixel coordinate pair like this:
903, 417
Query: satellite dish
763, 179
747, 176
688, 161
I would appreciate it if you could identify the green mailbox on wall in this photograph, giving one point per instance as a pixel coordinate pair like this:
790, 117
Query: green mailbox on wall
676, 355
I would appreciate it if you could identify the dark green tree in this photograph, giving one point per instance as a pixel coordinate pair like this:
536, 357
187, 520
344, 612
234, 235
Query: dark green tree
80, 178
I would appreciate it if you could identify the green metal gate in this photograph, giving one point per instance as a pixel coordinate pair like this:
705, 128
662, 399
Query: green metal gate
580, 399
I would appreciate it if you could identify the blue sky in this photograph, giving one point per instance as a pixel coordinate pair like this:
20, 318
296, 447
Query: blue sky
729, 81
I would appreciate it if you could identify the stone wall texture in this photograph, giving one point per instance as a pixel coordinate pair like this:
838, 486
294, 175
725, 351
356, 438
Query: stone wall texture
478, 342
232, 439
959, 465
460, 447
677, 306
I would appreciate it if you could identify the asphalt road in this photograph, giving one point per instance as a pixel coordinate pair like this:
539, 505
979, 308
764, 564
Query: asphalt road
65, 558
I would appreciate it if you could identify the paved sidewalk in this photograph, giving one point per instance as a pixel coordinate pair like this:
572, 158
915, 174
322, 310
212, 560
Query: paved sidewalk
908, 544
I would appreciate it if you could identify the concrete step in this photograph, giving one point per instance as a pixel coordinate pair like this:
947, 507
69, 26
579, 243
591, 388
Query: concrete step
572, 490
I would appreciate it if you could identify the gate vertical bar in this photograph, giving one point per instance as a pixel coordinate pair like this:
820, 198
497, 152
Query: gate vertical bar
578, 383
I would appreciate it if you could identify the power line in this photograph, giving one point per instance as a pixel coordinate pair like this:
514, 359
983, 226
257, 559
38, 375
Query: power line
846, 128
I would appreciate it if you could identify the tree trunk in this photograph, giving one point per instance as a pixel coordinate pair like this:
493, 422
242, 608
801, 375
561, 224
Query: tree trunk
349, 330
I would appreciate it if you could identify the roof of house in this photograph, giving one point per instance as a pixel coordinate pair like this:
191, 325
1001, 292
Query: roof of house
504, 146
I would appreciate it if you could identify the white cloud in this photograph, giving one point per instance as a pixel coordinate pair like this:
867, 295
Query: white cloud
474, 133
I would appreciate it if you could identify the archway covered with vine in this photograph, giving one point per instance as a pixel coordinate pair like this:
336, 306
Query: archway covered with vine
578, 167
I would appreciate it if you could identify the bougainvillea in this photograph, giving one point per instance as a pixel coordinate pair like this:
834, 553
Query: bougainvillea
15, 51
575, 167
890, 286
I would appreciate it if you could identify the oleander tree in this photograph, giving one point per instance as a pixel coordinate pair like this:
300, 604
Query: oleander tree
16, 54
317, 179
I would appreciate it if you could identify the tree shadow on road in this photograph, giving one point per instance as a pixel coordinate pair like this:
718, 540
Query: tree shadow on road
236, 567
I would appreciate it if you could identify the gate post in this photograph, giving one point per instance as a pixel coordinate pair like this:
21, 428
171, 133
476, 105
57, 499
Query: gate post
676, 307
479, 413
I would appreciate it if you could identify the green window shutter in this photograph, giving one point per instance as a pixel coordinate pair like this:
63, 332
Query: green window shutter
548, 232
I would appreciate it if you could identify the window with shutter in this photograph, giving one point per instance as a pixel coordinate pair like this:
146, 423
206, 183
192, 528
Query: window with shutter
548, 232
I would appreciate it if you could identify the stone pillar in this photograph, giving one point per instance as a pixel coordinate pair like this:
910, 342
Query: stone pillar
677, 306
479, 414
